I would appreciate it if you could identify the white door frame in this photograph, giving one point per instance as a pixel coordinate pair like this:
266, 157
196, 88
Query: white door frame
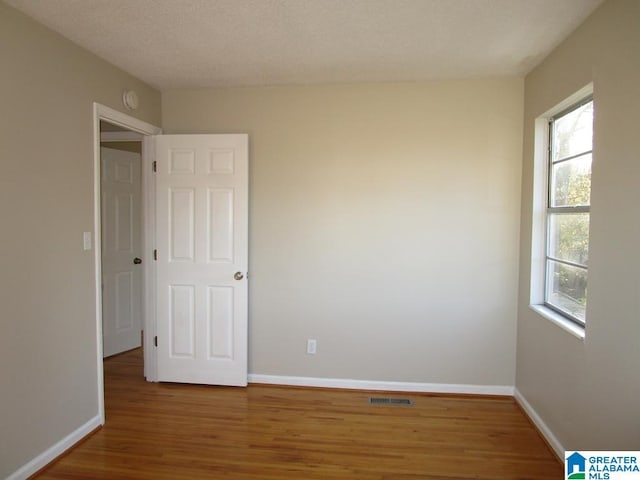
102, 112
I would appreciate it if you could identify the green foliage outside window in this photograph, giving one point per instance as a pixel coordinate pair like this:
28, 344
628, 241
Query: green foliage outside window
568, 214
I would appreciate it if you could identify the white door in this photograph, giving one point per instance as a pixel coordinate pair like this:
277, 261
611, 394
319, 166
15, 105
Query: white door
202, 258
121, 245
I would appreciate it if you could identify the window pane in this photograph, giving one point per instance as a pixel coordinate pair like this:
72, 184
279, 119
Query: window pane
567, 288
572, 133
569, 237
571, 182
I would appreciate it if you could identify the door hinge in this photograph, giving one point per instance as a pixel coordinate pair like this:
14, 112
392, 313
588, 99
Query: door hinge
155, 341
155, 254
155, 166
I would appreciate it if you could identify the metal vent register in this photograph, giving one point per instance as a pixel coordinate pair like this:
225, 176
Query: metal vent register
389, 401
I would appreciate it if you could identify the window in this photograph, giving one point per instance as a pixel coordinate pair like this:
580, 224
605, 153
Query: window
567, 212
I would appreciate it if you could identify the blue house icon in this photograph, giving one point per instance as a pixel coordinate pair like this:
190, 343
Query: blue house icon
576, 462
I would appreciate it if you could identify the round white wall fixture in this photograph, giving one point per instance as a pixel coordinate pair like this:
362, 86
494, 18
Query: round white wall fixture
130, 99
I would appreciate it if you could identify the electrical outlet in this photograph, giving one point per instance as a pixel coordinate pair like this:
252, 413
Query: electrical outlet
311, 346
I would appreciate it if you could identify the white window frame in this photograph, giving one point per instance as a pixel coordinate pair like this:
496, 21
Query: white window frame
541, 195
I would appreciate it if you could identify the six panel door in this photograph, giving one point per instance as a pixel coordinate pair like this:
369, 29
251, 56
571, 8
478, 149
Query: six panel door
121, 244
202, 258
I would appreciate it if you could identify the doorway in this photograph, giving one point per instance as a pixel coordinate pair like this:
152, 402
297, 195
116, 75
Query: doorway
118, 126
194, 231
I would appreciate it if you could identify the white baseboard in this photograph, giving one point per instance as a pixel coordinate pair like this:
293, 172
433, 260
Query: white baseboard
546, 432
56, 450
381, 385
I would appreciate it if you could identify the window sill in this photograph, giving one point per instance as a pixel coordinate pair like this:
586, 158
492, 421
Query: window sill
567, 325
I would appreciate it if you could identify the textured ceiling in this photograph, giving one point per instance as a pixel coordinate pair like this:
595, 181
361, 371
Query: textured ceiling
205, 43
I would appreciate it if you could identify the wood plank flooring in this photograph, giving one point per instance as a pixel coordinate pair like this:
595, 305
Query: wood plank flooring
169, 431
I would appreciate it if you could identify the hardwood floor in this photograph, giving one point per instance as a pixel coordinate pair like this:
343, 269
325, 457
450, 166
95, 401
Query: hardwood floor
169, 431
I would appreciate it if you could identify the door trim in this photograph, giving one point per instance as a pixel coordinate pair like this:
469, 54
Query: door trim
102, 112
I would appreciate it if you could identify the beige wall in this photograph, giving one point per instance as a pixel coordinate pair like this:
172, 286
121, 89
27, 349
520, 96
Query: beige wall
587, 391
48, 378
383, 223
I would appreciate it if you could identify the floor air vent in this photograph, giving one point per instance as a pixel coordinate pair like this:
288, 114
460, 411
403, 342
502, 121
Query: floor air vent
389, 401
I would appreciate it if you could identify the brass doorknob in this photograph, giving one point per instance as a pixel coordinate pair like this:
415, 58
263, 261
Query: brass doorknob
238, 276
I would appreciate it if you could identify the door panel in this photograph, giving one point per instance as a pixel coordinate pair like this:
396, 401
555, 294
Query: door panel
220, 320
220, 231
182, 224
121, 243
202, 237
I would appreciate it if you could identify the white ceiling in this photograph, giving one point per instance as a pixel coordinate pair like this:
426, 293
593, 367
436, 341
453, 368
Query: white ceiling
206, 43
